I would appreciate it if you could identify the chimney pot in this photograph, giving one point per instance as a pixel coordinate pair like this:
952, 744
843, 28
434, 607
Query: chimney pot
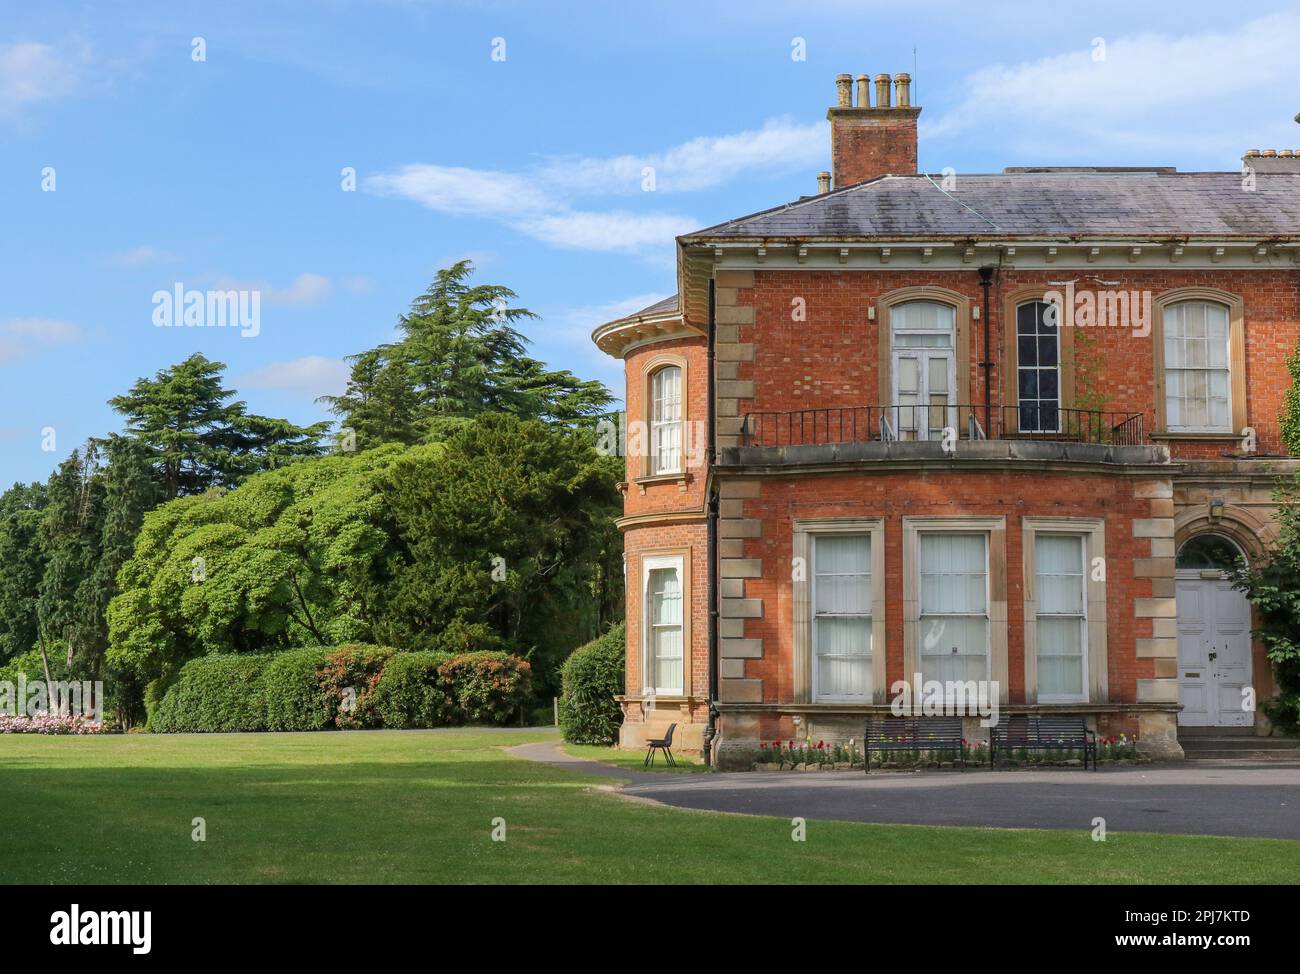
882, 91
1270, 153
823, 182
1285, 153
864, 91
903, 82
844, 90
1251, 153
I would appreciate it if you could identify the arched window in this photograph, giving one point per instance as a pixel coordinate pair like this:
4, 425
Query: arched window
1038, 368
1198, 384
922, 336
666, 420
1209, 552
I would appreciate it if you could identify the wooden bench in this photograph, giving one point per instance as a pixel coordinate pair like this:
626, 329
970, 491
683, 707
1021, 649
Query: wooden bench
894, 734
1043, 733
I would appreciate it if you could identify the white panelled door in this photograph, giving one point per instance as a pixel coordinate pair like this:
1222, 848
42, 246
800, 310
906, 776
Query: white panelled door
1213, 650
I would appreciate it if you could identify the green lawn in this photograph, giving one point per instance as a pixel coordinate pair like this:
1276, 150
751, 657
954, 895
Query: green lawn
418, 807
635, 760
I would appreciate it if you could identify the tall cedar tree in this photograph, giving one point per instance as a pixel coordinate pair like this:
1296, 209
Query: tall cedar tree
198, 436
458, 356
22, 508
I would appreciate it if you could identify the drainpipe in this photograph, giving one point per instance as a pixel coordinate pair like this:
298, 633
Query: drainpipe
712, 520
986, 280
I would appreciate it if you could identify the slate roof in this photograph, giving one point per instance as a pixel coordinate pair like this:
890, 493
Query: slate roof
658, 308
1083, 205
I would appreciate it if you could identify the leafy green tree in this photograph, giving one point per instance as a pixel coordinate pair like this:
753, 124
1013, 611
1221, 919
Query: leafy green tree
70, 536
297, 556
1273, 585
198, 435
1290, 419
512, 528
459, 356
22, 507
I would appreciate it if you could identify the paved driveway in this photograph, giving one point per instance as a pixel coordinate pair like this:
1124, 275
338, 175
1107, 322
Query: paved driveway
1200, 798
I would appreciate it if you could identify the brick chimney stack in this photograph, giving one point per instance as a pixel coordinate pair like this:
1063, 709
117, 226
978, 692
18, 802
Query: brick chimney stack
1272, 161
867, 142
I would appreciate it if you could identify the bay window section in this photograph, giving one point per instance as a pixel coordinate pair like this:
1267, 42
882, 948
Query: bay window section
664, 642
666, 421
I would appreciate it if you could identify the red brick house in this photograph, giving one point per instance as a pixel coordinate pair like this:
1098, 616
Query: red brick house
997, 427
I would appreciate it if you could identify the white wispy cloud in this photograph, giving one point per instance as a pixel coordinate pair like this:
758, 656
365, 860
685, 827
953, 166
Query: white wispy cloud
1150, 93
32, 72
305, 289
310, 376
550, 202
21, 338
141, 256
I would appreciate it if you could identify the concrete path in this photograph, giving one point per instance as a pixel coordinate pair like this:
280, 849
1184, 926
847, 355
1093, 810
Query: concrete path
1201, 798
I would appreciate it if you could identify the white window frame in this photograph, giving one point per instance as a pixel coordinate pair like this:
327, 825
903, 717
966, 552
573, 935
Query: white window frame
986, 615
1082, 617
1096, 685
1168, 315
995, 528
659, 425
649, 669
804, 531
818, 695
922, 354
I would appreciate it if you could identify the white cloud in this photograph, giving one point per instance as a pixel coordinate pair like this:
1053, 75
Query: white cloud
616, 231
542, 203
1151, 93
31, 72
310, 376
141, 257
780, 146
306, 288
23, 337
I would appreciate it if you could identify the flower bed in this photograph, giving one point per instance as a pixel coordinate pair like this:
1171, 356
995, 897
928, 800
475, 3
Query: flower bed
43, 722
847, 756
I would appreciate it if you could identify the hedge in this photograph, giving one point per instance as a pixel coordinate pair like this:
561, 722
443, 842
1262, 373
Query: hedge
295, 699
590, 679
355, 685
213, 694
409, 693
485, 687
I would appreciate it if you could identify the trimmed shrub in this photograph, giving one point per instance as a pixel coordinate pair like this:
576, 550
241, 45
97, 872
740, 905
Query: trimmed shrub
485, 688
348, 681
591, 677
410, 694
291, 686
213, 694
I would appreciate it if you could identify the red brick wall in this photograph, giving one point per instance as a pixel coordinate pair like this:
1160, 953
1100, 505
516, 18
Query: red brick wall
638, 541
831, 358
896, 495
866, 147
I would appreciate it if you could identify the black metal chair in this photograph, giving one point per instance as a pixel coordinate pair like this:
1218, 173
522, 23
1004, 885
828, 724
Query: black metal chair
664, 744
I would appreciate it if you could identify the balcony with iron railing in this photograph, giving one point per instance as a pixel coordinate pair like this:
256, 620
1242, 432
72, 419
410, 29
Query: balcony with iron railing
942, 431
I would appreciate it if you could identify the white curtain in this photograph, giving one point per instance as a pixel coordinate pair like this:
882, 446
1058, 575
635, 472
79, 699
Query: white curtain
954, 626
666, 420
1196, 366
842, 616
1062, 623
664, 602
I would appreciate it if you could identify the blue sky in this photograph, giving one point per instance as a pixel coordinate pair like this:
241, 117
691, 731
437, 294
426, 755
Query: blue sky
226, 172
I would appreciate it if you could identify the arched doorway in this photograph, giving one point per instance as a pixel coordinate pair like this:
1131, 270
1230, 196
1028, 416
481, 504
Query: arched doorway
1214, 663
